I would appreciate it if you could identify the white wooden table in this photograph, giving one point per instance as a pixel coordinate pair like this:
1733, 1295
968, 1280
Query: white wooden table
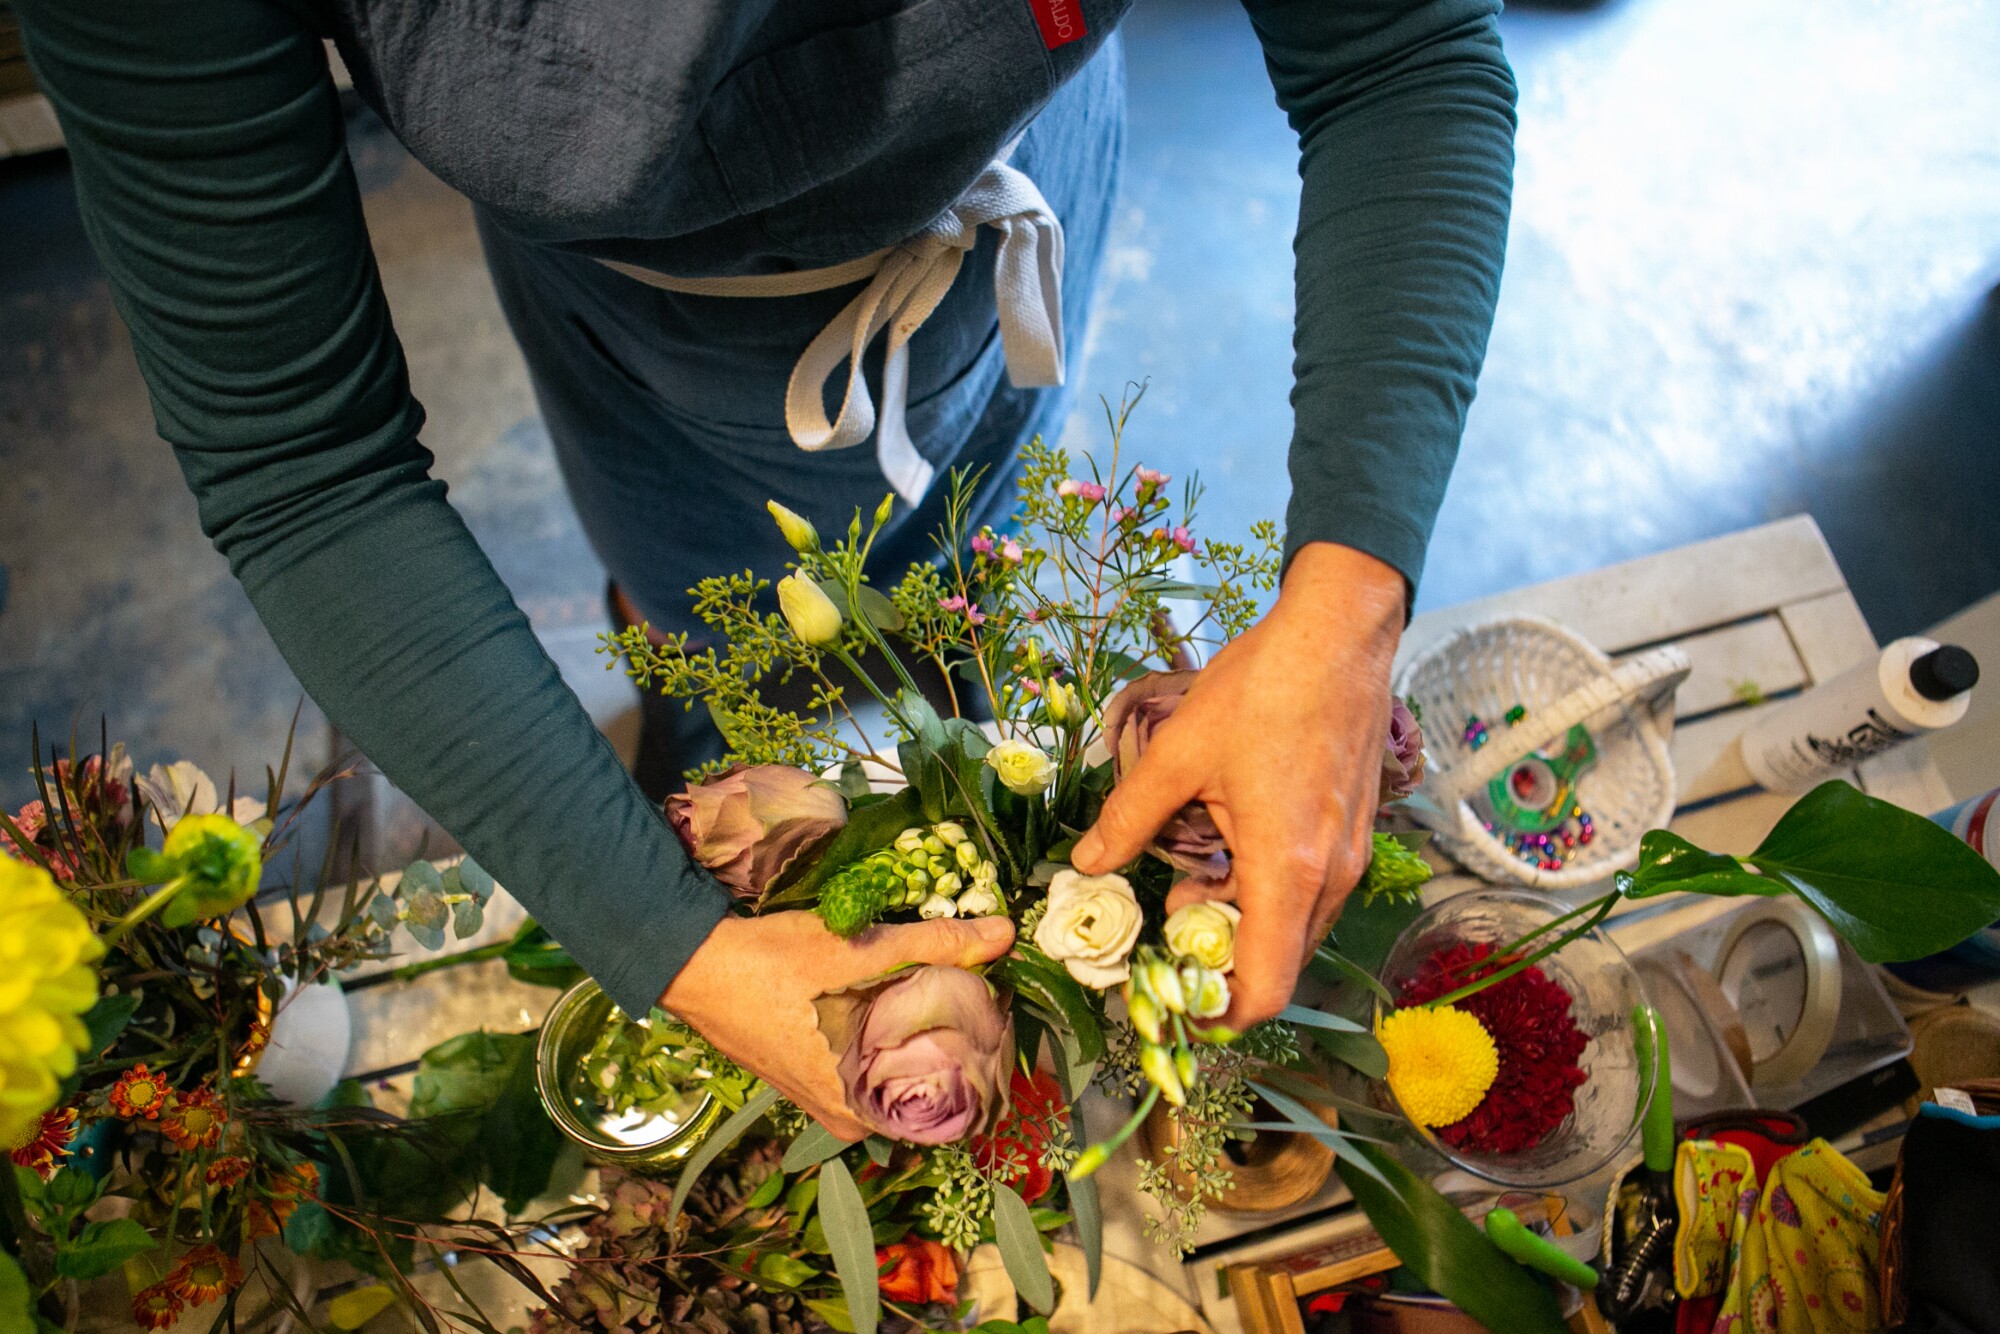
1765, 608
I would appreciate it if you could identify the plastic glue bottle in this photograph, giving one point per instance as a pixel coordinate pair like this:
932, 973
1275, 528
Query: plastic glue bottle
1914, 686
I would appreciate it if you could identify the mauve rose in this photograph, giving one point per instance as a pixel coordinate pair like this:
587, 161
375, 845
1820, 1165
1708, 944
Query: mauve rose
923, 1056
1190, 839
1402, 754
749, 824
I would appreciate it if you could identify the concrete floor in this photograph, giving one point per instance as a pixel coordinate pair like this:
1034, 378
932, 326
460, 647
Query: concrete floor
1752, 272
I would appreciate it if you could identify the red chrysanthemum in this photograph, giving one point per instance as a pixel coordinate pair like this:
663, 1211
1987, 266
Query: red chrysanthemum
156, 1307
1528, 1016
1014, 1150
50, 1144
193, 1120
227, 1171
140, 1095
203, 1275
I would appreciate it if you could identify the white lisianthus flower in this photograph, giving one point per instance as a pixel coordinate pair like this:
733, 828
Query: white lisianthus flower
809, 611
1206, 990
936, 906
798, 530
979, 901
1061, 702
1090, 926
1026, 770
1206, 933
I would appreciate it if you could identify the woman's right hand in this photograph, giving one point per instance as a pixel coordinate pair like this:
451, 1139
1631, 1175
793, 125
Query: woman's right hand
750, 989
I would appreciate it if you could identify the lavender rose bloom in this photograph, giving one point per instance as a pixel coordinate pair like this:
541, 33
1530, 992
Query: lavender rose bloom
1190, 840
749, 824
924, 1056
1402, 754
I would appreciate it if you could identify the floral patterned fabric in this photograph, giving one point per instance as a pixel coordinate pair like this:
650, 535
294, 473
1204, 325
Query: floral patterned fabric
1796, 1256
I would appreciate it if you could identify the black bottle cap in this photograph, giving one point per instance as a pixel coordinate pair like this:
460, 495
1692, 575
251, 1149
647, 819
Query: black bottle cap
1946, 672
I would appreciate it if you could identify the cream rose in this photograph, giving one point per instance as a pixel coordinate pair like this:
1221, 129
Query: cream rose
1024, 769
1206, 933
1091, 924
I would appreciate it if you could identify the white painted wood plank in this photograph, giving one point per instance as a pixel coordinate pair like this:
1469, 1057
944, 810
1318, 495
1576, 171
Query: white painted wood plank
398, 1021
1829, 632
1735, 827
1664, 596
1755, 654
1706, 763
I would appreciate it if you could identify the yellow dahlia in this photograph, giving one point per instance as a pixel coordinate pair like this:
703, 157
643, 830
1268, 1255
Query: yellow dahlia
46, 983
1441, 1062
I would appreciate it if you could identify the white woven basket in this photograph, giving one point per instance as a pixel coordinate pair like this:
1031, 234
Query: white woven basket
1561, 680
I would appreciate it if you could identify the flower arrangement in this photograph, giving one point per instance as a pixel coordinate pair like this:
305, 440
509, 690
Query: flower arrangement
1059, 661
141, 983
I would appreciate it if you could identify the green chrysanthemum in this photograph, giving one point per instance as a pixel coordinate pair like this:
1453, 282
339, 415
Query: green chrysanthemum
1393, 872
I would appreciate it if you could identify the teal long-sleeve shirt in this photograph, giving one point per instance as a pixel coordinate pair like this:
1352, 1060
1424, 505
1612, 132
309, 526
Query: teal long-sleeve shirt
210, 165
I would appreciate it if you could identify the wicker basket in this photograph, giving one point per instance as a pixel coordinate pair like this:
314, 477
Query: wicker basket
1560, 680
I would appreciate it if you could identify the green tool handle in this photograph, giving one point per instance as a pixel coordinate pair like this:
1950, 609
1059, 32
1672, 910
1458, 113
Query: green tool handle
1506, 1231
1656, 1133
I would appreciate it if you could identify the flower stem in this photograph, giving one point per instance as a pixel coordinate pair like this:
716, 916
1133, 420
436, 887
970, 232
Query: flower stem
1603, 907
145, 908
1100, 1153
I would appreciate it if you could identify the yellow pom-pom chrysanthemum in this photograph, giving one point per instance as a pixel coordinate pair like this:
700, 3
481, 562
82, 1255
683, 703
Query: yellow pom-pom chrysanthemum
1441, 1062
46, 983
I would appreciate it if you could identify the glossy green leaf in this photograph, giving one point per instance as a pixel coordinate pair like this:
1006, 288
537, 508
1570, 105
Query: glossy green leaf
781, 1269
767, 1192
879, 1150
1365, 931
1021, 1249
814, 1145
1667, 862
1033, 974
712, 1148
851, 1240
833, 1310
102, 1247
867, 829
1444, 1250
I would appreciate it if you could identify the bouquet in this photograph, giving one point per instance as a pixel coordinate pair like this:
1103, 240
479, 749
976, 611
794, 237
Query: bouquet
143, 980
1059, 646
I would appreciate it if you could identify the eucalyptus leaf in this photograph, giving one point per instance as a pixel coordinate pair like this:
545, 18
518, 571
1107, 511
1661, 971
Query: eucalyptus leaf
814, 1145
781, 1269
1177, 589
879, 1150
712, 1148
467, 916
1444, 1250
1083, 1198
851, 1240
473, 878
1021, 1249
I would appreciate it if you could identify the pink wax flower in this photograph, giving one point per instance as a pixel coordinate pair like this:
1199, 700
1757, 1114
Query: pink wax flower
1071, 488
1182, 538
1150, 477
1010, 551
953, 603
983, 544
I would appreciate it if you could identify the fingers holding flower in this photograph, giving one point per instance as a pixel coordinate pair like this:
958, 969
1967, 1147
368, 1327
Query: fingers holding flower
923, 1056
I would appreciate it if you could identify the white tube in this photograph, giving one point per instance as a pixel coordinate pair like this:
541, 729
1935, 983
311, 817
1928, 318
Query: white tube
1864, 711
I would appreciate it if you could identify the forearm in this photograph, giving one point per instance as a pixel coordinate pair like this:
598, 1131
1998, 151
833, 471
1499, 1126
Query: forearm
1405, 121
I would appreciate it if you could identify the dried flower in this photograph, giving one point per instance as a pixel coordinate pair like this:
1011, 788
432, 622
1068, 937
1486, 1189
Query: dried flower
1090, 926
749, 824
227, 1171
923, 1055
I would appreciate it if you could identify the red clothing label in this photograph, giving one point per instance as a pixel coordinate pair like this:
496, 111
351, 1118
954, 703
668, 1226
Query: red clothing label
1061, 21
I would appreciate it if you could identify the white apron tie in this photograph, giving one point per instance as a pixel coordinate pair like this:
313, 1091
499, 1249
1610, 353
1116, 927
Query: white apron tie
906, 283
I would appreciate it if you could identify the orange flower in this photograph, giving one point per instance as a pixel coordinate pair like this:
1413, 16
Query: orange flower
204, 1274
918, 1271
227, 1171
139, 1094
193, 1120
156, 1307
267, 1219
254, 1043
50, 1143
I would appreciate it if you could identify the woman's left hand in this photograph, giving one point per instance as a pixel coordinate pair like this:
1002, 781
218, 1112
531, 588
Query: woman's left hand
1281, 735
